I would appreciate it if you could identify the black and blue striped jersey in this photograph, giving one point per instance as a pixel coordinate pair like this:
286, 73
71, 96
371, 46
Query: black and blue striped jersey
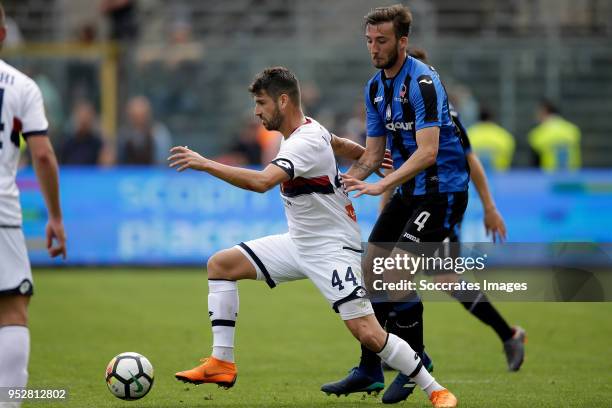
398, 107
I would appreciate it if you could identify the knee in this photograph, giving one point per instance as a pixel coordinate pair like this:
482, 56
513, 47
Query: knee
225, 265
217, 268
371, 340
371, 336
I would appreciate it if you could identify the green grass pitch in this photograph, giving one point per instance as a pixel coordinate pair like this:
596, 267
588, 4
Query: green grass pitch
289, 342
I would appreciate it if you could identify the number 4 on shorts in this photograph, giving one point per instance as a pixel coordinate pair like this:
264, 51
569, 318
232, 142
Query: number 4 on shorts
349, 277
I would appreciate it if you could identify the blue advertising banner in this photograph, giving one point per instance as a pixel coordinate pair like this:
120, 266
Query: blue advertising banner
149, 216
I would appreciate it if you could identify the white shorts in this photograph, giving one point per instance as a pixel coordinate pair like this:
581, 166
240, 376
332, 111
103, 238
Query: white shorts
15, 272
337, 275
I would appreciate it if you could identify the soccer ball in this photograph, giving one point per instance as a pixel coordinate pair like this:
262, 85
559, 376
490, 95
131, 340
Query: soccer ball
129, 376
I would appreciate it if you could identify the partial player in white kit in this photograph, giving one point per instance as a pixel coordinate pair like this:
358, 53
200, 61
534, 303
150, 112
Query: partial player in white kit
22, 115
323, 243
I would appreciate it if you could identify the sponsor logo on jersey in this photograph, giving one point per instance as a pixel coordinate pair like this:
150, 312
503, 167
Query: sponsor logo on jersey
284, 164
378, 99
350, 211
403, 90
411, 237
426, 81
25, 287
399, 126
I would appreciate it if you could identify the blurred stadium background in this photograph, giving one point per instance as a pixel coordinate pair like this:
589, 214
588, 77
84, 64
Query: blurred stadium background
190, 61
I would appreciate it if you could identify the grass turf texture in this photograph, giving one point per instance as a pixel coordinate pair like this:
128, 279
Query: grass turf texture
289, 342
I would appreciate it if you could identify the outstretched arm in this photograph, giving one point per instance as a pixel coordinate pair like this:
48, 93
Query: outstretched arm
183, 158
494, 223
424, 156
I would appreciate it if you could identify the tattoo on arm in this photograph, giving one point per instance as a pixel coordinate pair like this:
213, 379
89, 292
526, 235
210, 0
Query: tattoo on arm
360, 170
362, 166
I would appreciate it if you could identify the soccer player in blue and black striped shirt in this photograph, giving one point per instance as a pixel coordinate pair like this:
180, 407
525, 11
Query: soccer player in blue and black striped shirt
475, 301
407, 106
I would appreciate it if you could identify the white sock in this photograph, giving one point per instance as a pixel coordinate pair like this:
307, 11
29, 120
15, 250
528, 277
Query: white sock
399, 355
15, 346
223, 311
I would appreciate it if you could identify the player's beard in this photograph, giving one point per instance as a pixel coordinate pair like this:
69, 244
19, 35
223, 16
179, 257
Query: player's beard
275, 121
390, 62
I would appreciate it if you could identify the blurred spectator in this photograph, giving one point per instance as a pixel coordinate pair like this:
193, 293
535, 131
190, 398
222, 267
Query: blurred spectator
83, 77
247, 151
83, 145
143, 141
178, 49
461, 97
87, 34
354, 129
175, 66
269, 140
122, 15
555, 141
311, 97
493, 144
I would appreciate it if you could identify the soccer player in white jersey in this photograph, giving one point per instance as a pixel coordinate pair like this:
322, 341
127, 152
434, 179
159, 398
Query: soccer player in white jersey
322, 244
22, 114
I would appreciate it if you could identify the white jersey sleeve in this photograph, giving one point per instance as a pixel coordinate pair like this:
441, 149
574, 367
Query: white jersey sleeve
33, 118
298, 156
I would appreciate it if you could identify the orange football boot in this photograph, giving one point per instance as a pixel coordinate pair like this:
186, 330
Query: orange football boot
212, 370
443, 399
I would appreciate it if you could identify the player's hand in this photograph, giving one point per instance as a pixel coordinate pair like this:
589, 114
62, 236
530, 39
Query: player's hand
353, 184
387, 164
184, 158
494, 225
56, 238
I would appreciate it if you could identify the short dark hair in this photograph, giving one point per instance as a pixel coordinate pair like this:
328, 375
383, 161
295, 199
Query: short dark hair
549, 106
485, 114
418, 53
276, 81
398, 14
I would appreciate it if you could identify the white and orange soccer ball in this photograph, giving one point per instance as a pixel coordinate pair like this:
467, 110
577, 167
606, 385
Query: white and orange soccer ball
129, 376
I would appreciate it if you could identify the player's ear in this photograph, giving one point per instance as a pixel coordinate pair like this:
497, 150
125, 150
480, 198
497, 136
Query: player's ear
283, 101
403, 42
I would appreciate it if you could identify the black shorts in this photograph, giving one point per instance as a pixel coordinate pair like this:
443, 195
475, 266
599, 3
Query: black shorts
428, 218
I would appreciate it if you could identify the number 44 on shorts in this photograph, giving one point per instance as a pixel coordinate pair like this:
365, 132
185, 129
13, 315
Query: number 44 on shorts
349, 277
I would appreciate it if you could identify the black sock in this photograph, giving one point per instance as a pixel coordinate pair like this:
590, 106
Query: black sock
406, 322
477, 303
370, 362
